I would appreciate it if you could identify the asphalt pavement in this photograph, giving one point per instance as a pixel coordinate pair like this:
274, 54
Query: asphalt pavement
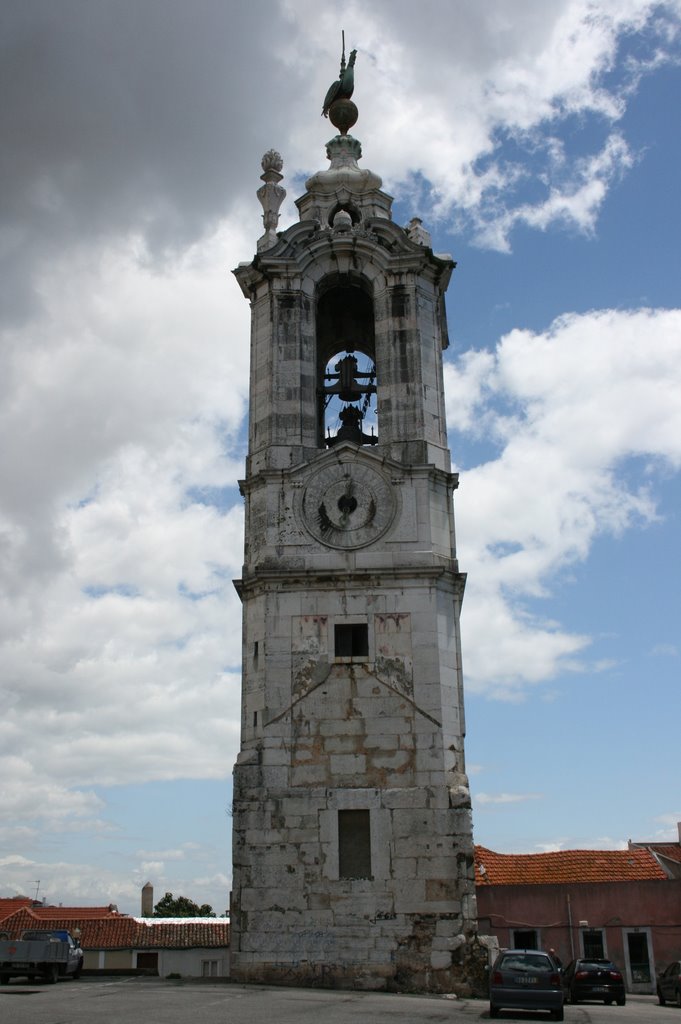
137, 1000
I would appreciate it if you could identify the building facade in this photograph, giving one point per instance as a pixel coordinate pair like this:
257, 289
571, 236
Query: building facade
114, 943
352, 845
618, 904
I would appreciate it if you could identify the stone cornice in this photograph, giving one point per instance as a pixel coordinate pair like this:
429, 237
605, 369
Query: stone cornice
271, 578
306, 250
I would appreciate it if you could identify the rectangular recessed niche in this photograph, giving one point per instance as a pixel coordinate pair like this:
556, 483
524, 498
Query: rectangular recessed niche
351, 640
354, 844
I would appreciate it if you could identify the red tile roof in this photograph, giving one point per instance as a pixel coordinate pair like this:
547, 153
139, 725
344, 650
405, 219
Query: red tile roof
115, 931
565, 867
57, 913
191, 933
8, 904
43, 913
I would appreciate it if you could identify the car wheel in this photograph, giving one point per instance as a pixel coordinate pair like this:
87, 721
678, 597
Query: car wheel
493, 1011
622, 1001
678, 997
661, 998
558, 1014
573, 997
4, 979
52, 975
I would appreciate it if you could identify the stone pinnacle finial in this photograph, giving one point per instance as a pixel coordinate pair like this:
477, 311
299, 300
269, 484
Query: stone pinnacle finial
271, 196
417, 233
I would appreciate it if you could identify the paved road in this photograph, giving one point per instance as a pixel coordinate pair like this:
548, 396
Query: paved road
155, 1001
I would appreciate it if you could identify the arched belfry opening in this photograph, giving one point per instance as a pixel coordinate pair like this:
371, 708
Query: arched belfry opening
346, 364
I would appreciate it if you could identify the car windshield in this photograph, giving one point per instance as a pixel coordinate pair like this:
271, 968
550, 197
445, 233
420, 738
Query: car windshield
525, 962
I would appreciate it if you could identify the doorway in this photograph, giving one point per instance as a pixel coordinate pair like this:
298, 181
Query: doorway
638, 960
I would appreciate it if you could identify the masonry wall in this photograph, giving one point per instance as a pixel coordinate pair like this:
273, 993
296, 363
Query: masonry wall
341, 734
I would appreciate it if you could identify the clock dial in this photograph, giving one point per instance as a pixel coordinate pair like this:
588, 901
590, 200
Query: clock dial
348, 505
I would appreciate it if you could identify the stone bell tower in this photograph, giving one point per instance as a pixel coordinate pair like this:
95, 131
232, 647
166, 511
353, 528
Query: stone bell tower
352, 844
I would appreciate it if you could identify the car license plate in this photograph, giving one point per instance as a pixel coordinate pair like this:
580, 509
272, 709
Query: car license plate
528, 979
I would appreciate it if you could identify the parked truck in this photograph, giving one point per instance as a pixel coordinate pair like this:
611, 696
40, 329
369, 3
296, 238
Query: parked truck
40, 954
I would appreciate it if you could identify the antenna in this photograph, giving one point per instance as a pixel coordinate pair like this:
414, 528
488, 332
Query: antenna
37, 888
343, 54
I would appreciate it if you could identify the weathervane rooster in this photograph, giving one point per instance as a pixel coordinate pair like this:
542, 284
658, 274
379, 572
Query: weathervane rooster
344, 87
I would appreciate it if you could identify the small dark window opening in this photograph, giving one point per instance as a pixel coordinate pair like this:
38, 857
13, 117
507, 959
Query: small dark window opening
354, 844
525, 939
255, 718
593, 944
351, 640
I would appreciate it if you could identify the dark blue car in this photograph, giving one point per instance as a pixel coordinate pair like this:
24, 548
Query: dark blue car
525, 979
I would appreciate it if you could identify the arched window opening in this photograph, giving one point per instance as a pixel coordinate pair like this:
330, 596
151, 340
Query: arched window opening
348, 208
347, 385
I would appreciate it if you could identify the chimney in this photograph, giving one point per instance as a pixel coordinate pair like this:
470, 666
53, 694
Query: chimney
148, 900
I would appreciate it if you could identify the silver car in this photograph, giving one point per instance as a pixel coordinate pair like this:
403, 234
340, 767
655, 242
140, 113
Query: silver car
669, 984
525, 979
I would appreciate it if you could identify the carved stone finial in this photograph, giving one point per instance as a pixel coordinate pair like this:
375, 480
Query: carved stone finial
271, 161
417, 233
342, 221
271, 196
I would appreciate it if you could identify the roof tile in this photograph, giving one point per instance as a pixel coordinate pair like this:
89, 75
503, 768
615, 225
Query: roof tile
564, 867
115, 931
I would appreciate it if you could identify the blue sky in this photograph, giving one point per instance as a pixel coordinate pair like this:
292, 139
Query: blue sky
541, 148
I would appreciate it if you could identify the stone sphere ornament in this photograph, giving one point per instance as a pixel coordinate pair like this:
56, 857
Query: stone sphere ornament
343, 115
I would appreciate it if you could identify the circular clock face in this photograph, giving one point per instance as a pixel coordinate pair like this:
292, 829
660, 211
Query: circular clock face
348, 505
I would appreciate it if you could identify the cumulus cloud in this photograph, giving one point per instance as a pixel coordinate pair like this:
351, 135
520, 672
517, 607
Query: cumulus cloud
133, 119
575, 194
584, 416
466, 106
73, 882
125, 396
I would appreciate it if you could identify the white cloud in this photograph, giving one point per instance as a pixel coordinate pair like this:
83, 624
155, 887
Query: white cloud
669, 830
125, 395
442, 91
574, 198
570, 409
505, 798
164, 855
595, 843
665, 651
66, 882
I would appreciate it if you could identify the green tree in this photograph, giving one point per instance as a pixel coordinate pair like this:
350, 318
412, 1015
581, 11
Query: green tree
170, 906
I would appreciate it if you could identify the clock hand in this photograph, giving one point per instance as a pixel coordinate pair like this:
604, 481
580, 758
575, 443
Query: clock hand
347, 503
